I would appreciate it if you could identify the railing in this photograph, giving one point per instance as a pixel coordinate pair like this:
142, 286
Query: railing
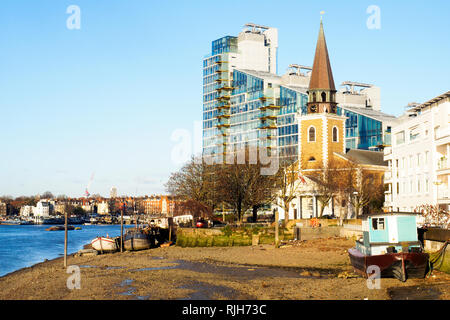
442, 133
442, 164
387, 151
388, 175
443, 194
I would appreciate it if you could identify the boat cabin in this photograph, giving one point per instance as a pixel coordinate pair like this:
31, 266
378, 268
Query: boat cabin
389, 233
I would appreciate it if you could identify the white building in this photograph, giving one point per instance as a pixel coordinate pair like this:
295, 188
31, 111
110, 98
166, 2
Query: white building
418, 158
42, 209
103, 207
27, 211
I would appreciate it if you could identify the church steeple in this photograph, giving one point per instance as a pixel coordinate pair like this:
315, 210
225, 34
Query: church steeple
322, 91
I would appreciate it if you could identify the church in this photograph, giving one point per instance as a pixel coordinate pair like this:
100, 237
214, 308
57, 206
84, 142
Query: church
322, 145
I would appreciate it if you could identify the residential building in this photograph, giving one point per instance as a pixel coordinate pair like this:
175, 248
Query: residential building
418, 157
3, 209
42, 209
103, 207
27, 211
164, 205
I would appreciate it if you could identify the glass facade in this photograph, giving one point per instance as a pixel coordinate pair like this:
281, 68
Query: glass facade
361, 132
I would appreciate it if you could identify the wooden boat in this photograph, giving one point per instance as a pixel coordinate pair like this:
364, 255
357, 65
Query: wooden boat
59, 228
137, 239
104, 244
390, 242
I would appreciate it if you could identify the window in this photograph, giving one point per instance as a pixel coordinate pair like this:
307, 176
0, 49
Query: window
312, 134
324, 97
400, 137
414, 133
378, 223
312, 159
335, 134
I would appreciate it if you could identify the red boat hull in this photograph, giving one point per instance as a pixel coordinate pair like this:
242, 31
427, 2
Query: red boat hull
402, 265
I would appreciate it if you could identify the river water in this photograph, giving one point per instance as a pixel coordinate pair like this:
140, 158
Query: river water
26, 245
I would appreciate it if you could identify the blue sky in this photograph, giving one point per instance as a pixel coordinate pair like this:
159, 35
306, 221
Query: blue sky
106, 99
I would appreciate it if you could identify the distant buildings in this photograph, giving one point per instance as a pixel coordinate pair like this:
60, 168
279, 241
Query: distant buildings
113, 192
159, 205
419, 157
3, 209
103, 207
43, 209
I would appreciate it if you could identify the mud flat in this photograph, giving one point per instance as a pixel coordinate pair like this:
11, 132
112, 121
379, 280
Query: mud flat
311, 270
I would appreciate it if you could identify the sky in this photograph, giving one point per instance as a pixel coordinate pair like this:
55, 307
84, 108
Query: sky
118, 99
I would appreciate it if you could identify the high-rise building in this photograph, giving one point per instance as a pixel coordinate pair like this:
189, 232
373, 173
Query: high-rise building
246, 103
113, 192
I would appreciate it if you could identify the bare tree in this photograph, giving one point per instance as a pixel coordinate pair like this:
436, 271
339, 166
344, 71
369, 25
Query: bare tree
327, 181
288, 186
194, 181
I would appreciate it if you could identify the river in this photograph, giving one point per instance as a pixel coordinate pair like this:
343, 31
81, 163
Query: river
26, 245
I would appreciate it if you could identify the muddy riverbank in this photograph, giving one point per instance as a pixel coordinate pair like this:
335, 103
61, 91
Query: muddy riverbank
315, 269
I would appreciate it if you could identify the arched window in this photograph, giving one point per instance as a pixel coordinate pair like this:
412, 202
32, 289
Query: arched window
312, 134
335, 134
324, 97
312, 159
314, 96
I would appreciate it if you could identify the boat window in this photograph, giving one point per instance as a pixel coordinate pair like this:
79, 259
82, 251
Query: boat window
378, 223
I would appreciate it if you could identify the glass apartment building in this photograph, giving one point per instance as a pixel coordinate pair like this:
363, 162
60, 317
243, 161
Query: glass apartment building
365, 128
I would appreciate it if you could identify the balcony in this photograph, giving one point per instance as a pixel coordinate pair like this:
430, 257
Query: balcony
268, 114
223, 113
223, 97
268, 124
387, 151
443, 167
443, 194
223, 105
442, 135
224, 86
223, 122
387, 176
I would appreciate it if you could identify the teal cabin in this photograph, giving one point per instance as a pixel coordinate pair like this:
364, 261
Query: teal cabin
389, 233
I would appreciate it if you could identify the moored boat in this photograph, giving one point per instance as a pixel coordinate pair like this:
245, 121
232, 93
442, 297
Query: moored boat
390, 242
137, 239
104, 244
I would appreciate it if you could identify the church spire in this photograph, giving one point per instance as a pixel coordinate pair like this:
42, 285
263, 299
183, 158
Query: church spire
322, 91
322, 76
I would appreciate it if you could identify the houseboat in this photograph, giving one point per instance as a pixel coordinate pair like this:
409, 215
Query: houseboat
390, 241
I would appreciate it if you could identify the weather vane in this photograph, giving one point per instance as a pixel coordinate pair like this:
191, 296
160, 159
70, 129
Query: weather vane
321, 14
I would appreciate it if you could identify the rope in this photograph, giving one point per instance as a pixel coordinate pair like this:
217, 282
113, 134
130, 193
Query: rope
435, 257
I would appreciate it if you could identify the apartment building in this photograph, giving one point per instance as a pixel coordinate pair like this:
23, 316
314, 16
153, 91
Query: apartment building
418, 158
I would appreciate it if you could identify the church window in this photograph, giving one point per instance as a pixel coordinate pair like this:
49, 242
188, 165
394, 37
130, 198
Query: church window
312, 134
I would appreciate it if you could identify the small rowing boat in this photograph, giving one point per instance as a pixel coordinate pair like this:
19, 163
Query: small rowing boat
104, 244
